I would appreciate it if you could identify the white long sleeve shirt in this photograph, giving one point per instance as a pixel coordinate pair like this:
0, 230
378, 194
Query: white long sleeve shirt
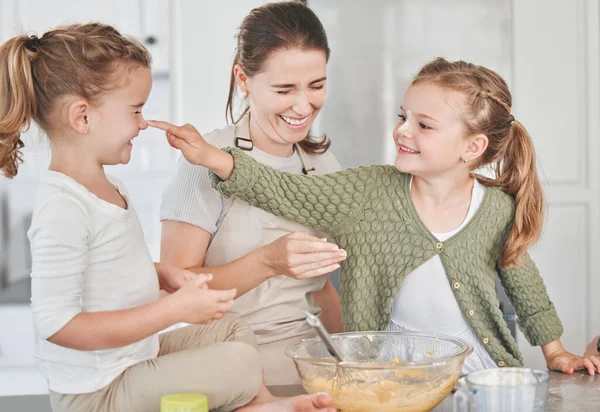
88, 255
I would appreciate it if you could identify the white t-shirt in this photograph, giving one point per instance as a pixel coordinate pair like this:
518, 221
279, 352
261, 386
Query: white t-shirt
190, 197
425, 301
88, 255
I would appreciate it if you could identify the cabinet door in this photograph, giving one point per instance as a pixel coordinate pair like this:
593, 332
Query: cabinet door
146, 20
19, 375
204, 47
17, 337
556, 91
36, 16
155, 33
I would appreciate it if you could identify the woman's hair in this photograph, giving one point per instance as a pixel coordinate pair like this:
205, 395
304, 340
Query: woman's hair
486, 109
270, 28
83, 60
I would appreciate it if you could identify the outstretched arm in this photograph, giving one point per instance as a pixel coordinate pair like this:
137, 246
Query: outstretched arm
326, 202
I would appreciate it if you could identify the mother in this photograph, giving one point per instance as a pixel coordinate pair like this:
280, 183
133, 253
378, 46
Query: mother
279, 268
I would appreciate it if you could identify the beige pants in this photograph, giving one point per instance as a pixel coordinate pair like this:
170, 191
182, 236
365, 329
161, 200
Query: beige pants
219, 360
279, 369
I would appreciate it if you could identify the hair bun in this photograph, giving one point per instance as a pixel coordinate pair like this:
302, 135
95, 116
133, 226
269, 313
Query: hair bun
33, 43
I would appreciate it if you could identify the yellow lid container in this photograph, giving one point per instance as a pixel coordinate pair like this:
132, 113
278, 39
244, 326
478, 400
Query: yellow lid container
184, 402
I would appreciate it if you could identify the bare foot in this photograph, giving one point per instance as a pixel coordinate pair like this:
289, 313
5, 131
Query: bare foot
320, 402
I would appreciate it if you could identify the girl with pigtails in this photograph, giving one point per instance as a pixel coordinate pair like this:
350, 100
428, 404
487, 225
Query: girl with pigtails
95, 290
427, 237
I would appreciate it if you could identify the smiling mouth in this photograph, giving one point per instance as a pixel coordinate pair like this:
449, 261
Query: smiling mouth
405, 149
295, 122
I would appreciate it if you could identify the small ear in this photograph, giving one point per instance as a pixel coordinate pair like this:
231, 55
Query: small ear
241, 78
476, 147
78, 112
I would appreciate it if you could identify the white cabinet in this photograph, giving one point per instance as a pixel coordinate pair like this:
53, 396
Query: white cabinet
146, 20
17, 337
204, 47
19, 374
155, 32
556, 91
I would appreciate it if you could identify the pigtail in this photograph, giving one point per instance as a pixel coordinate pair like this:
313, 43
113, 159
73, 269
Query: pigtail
18, 102
518, 176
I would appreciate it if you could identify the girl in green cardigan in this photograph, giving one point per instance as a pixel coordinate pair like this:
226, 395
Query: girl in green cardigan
425, 239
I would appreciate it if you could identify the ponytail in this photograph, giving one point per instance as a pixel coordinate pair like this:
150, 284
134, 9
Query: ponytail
517, 176
18, 102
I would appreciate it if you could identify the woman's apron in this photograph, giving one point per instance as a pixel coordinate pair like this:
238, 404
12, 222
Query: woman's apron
275, 309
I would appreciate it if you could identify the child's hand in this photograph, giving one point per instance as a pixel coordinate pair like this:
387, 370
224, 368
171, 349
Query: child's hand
171, 278
187, 139
566, 362
198, 304
195, 149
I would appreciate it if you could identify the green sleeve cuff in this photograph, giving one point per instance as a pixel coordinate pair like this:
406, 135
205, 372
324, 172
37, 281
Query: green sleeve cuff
242, 179
541, 328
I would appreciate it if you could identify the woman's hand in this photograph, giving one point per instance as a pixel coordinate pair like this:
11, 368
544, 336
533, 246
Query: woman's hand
558, 359
171, 278
196, 303
195, 149
301, 256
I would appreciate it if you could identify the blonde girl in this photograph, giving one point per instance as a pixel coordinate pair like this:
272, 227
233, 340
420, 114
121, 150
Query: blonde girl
426, 238
95, 289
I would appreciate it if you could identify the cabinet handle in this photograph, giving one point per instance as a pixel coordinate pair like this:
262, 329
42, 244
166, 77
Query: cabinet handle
151, 40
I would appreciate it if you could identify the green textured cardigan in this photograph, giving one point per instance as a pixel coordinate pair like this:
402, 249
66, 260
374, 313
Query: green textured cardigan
368, 211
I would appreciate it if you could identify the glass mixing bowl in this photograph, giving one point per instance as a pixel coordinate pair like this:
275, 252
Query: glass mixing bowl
382, 371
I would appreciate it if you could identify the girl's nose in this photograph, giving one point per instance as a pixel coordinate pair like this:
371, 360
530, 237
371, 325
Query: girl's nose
407, 128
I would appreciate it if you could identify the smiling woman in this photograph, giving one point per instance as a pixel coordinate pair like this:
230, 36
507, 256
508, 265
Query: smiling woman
279, 268
284, 98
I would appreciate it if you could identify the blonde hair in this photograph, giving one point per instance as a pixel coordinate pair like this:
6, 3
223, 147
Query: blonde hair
81, 60
486, 109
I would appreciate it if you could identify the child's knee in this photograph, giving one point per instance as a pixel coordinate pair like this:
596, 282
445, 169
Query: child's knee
246, 360
239, 331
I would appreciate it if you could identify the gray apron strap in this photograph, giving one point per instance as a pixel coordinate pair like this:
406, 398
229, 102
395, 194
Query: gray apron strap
307, 166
